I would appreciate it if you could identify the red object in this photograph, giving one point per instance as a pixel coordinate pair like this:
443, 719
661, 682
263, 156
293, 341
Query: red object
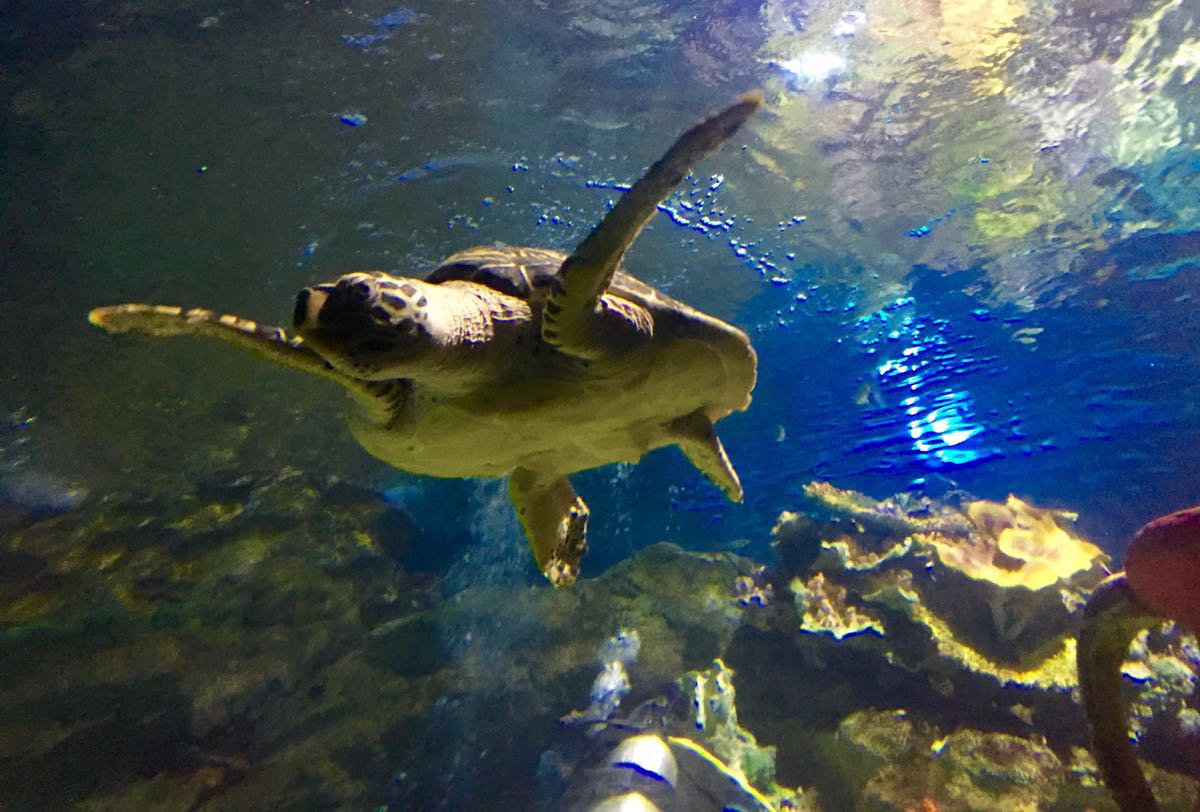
1162, 566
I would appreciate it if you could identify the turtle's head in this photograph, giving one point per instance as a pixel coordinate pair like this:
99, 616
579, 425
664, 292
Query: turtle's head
368, 325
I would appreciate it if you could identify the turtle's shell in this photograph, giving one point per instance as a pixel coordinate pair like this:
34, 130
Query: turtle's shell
526, 273
531, 274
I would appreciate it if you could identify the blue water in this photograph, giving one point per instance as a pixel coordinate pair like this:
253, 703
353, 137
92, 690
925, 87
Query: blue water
847, 248
963, 237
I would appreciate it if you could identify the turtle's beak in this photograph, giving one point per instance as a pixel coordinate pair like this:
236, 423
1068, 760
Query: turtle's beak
308, 305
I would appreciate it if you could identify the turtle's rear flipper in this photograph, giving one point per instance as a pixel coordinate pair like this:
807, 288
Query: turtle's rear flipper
555, 522
700, 444
266, 341
586, 274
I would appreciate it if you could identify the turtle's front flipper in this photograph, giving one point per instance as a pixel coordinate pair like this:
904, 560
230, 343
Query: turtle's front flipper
555, 522
272, 343
585, 275
699, 442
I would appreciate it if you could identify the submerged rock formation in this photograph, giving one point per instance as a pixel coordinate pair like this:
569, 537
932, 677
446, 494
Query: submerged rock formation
258, 644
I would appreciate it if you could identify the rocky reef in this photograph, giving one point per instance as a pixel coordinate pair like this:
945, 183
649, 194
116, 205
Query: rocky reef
955, 622
994, 587
259, 644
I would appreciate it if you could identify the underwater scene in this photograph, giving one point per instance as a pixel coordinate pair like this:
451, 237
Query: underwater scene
600, 405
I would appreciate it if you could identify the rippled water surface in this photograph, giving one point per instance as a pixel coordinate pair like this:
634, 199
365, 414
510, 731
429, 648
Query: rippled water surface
964, 238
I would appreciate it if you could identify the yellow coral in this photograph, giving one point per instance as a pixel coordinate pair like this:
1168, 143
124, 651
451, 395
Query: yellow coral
993, 582
824, 608
844, 500
1016, 544
852, 556
1008, 544
1055, 672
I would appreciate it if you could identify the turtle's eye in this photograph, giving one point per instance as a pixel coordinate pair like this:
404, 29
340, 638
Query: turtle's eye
308, 305
300, 313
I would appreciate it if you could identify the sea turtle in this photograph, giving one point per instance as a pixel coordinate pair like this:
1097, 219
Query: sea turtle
518, 362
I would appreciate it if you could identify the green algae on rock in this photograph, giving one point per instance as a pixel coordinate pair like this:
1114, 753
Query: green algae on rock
260, 647
168, 630
240, 655
714, 717
892, 761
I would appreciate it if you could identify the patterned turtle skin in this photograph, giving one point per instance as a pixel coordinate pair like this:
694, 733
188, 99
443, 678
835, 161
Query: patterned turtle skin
519, 362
